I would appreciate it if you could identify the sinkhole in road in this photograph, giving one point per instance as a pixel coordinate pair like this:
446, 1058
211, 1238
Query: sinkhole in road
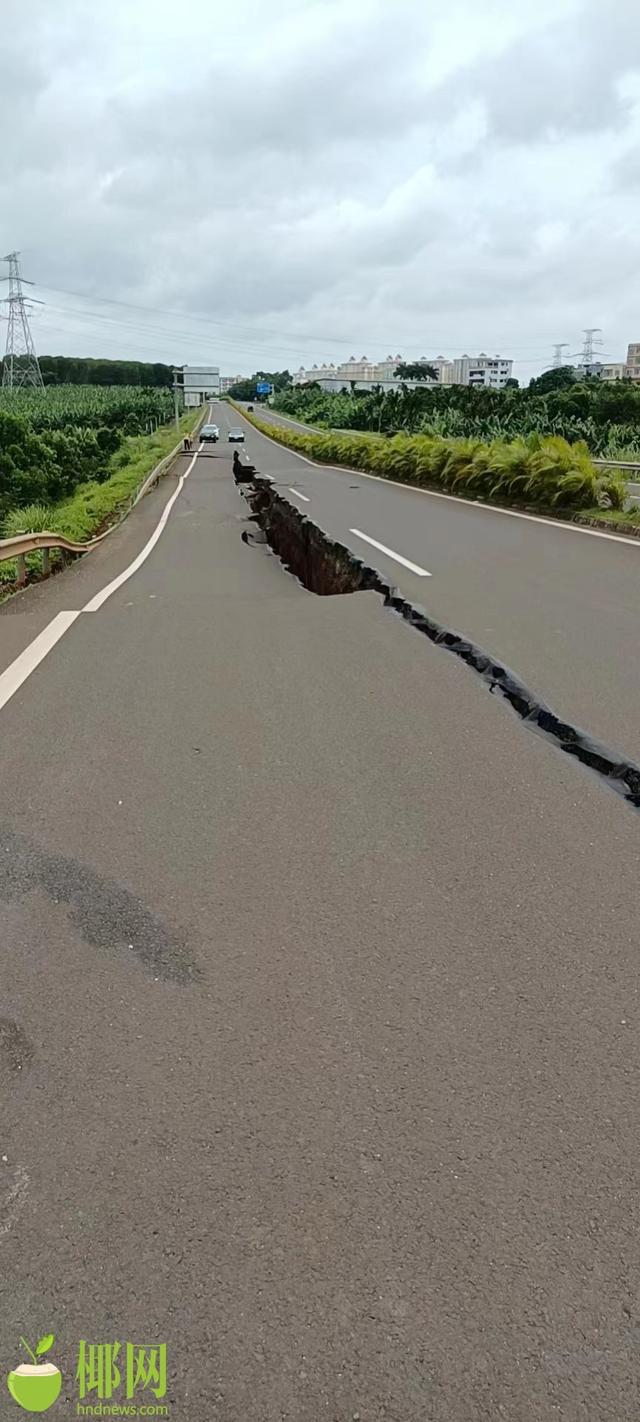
330, 569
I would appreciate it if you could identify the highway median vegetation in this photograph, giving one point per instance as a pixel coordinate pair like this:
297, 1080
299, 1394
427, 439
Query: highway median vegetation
543, 472
604, 416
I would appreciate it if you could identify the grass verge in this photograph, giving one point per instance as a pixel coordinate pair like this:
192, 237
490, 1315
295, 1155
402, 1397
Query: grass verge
621, 520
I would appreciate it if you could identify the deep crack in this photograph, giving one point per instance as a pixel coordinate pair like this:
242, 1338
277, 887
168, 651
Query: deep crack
328, 568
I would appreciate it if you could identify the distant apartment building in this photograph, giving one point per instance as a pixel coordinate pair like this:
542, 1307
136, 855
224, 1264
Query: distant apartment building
492, 372
614, 370
633, 362
364, 374
595, 371
226, 381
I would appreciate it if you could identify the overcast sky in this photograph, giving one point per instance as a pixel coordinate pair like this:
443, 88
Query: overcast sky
312, 179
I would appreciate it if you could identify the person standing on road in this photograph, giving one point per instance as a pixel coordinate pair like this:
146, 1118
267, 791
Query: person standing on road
186, 444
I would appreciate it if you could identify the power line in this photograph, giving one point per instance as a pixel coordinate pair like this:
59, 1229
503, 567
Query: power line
174, 335
150, 337
20, 367
257, 333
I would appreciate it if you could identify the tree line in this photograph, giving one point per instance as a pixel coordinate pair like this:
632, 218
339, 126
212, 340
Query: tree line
605, 415
246, 389
84, 370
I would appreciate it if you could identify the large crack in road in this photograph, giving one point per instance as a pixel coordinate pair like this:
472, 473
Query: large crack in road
328, 568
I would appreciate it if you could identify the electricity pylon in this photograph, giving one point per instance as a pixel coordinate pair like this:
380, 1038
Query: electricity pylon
20, 366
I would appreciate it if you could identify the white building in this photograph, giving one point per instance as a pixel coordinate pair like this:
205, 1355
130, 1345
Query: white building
616, 371
443, 368
364, 374
226, 381
198, 382
490, 371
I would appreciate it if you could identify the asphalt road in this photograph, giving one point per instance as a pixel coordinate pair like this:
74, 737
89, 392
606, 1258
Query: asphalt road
560, 606
319, 1051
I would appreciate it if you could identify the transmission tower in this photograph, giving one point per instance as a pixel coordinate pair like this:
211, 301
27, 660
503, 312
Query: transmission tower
559, 347
20, 362
586, 355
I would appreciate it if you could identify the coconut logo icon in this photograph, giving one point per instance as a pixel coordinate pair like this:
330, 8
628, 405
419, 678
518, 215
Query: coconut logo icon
36, 1385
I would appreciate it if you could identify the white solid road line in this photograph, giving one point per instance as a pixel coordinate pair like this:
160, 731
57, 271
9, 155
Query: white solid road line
297, 495
11, 679
14, 675
406, 563
100, 598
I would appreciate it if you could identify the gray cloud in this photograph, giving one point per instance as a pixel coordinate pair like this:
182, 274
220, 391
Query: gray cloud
564, 79
398, 177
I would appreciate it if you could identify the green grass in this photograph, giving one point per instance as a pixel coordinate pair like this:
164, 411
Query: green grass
614, 516
94, 506
33, 518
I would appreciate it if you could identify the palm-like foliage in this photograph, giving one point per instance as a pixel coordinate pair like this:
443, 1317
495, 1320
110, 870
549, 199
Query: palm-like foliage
538, 470
605, 418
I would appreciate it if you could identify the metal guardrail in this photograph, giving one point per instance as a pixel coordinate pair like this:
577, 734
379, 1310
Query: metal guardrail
615, 464
23, 543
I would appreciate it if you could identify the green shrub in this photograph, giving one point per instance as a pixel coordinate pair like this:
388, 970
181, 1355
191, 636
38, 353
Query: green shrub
604, 417
55, 439
94, 504
539, 470
34, 518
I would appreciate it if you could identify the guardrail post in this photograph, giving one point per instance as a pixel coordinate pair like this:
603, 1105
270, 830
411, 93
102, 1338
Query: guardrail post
46, 563
21, 570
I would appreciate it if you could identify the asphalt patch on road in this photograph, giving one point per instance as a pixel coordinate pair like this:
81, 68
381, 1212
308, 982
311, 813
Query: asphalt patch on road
329, 569
105, 914
16, 1051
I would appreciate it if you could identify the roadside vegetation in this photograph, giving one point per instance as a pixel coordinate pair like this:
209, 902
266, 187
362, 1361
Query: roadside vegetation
544, 472
53, 440
603, 417
94, 504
